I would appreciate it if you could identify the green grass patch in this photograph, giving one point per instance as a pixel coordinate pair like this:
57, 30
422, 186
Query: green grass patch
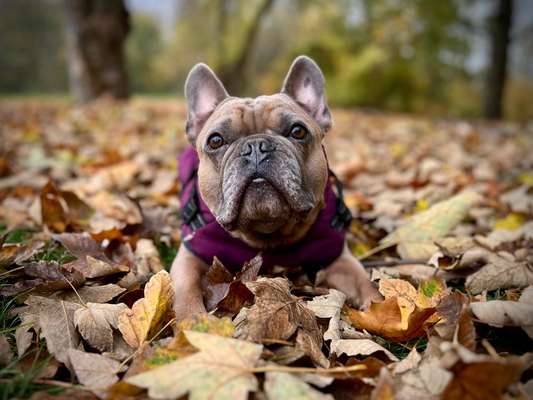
401, 350
54, 252
166, 253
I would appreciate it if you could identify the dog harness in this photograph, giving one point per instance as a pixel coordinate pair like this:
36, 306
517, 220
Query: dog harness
204, 237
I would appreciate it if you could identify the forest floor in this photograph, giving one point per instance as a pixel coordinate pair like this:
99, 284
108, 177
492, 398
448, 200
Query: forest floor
89, 216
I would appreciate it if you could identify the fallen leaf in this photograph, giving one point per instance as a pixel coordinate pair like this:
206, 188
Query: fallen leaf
23, 336
281, 385
385, 319
384, 388
456, 321
329, 306
415, 238
220, 370
478, 376
94, 371
47, 277
5, 351
500, 273
56, 321
147, 257
359, 347
277, 314
92, 294
502, 313
228, 293
149, 314
95, 322
411, 361
405, 295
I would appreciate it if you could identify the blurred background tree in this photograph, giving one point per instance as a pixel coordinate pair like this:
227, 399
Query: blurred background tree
452, 58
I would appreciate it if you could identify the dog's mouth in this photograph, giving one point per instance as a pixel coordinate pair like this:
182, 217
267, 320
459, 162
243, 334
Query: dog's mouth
262, 201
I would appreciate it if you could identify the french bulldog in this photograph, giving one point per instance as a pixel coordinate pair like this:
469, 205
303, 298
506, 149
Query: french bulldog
262, 183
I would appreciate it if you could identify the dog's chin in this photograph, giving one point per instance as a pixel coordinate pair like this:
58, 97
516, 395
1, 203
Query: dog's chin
263, 210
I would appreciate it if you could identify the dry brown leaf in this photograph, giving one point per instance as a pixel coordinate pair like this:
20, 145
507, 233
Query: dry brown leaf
228, 293
46, 278
5, 351
456, 321
95, 322
281, 385
384, 389
359, 347
94, 371
329, 306
500, 273
478, 376
277, 314
220, 370
56, 321
502, 313
23, 336
149, 314
385, 319
92, 294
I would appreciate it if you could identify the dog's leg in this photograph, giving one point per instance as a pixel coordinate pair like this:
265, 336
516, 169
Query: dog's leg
186, 273
348, 275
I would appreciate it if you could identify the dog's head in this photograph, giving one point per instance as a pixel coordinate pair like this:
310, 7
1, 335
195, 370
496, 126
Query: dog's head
262, 166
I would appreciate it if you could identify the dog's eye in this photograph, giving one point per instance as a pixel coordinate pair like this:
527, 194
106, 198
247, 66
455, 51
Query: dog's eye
215, 141
298, 131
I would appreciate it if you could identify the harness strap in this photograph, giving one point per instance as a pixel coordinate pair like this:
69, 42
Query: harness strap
343, 216
190, 212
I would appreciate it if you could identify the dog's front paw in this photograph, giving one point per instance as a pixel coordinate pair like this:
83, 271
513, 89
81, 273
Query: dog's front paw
187, 305
368, 294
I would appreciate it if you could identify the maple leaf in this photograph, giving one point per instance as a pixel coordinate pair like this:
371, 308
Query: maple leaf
277, 314
94, 370
281, 385
95, 322
149, 314
221, 369
228, 293
385, 319
55, 318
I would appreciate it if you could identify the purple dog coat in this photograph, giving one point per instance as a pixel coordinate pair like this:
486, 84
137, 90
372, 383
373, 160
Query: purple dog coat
204, 237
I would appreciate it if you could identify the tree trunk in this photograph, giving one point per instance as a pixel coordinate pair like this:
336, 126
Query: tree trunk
234, 75
96, 33
500, 28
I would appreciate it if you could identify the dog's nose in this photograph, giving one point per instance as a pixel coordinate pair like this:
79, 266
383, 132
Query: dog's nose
257, 150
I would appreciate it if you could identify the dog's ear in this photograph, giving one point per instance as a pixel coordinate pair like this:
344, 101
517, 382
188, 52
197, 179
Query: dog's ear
305, 84
203, 91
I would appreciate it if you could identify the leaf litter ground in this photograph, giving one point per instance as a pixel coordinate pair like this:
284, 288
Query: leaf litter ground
89, 217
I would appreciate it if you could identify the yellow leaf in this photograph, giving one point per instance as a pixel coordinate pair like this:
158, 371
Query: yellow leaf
430, 292
415, 238
149, 314
404, 292
511, 222
421, 205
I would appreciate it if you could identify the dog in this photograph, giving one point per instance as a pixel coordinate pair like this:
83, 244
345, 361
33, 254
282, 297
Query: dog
256, 179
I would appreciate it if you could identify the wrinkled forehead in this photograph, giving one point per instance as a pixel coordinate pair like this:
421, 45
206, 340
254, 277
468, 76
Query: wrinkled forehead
255, 115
